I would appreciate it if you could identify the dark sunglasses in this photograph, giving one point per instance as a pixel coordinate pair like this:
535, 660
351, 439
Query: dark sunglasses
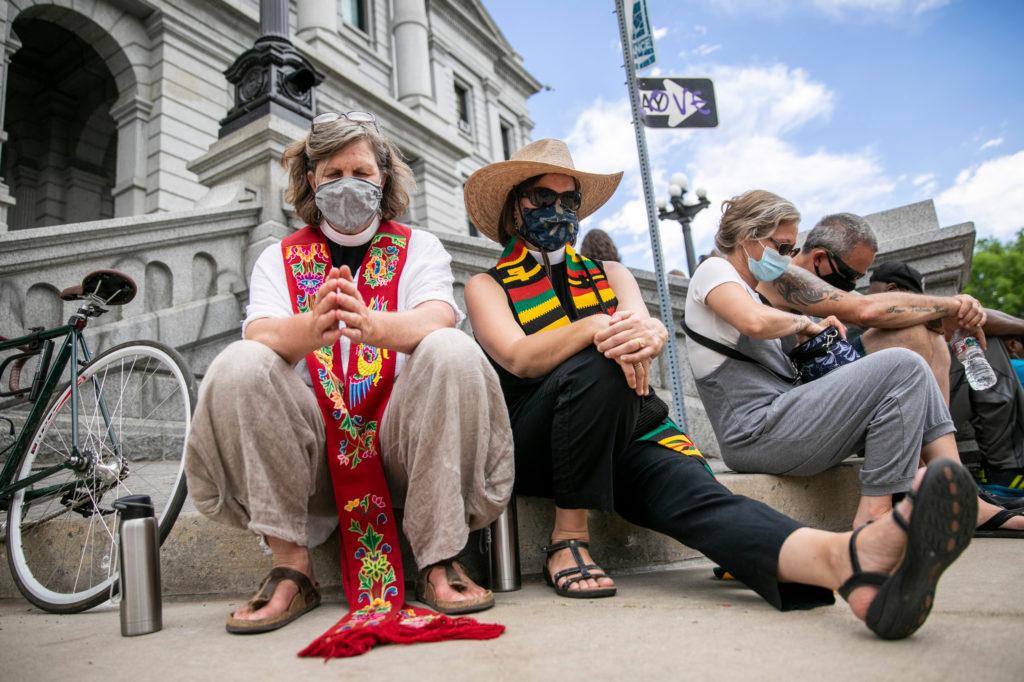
785, 249
842, 268
542, 197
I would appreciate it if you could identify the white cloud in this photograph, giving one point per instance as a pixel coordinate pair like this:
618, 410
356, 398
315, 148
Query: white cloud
991, 144
841, 8
659, 32
758, 108
925, 182
704, 49
836, 9
991, 194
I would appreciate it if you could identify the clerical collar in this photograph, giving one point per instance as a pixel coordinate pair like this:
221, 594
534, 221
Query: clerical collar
554, 257
357, 239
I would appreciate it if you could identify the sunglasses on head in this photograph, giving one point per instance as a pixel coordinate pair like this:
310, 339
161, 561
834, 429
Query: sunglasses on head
542, 197
353, 116
785, 249
842, 268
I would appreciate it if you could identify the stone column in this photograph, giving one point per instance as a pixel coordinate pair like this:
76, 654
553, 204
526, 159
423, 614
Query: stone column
10, 46
491, 91
130, 115
412, 53
316, 14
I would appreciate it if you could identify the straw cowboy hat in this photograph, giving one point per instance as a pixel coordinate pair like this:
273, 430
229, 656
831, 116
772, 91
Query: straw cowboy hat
487, 189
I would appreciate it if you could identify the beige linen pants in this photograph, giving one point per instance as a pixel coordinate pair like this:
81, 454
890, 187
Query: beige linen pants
256, 454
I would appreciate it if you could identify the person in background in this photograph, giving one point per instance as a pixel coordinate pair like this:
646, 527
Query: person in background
886, 404
598, 245
1015, 346
821, 281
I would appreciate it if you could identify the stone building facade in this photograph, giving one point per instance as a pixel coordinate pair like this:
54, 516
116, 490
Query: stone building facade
110, 112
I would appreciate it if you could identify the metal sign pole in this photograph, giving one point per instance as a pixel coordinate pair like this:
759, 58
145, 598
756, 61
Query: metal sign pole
664, 300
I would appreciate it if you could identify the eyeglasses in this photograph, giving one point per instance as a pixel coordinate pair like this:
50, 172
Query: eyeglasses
353, 116
785, 249
542, 197
842, 268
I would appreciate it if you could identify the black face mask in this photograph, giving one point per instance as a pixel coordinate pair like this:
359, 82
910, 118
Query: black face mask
836, 280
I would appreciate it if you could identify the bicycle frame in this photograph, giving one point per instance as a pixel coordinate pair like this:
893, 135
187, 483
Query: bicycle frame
68, 356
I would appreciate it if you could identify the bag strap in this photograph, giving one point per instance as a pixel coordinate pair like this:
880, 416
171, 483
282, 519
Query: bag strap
729, 352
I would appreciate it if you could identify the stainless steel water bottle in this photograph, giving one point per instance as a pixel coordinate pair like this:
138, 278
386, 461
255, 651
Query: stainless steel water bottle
139, 565
505, 573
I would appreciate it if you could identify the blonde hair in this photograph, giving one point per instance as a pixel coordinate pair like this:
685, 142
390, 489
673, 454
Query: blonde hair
326, 140
756, 214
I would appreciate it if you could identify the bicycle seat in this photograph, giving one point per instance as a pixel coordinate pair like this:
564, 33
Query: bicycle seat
113, 287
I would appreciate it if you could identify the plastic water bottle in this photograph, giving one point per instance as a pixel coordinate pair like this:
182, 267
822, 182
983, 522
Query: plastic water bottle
966, 349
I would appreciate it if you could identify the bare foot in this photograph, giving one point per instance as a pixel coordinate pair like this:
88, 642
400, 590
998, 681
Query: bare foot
563, 559
447, 593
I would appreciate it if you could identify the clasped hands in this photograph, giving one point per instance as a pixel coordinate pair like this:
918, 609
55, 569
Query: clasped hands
633, 342
339, 300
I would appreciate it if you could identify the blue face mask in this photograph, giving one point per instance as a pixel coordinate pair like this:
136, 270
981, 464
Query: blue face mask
770, 267
549, 229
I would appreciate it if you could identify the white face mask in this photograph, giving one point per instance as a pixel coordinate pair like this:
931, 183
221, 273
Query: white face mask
348, 204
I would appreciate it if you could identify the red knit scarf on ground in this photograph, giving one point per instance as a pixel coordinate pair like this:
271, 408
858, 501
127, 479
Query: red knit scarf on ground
352, 408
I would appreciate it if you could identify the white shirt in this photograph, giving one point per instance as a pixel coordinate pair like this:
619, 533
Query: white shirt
700, 318
427, 276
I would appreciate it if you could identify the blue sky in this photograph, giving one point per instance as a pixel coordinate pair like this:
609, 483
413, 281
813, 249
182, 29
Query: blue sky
839, 105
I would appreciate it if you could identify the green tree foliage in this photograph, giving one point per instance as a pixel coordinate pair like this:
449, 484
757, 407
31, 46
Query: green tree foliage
997, 274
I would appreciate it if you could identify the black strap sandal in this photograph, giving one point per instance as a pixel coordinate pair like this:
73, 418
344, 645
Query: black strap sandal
568, 577
945, 508
993, 527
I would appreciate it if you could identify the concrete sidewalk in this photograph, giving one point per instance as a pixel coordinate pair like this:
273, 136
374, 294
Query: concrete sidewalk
678, 624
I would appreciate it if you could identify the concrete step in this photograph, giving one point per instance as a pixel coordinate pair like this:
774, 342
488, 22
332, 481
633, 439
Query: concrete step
202, 557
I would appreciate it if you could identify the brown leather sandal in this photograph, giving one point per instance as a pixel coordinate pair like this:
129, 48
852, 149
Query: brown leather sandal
425, 591
305, 600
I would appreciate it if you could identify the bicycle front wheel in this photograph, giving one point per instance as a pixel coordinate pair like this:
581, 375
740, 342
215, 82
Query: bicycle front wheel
134, 407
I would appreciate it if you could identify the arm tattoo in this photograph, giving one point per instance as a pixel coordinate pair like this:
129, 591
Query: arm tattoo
897, 310
801, 324
797, 292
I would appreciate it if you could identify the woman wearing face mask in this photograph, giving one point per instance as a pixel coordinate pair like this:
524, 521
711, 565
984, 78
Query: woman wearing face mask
349, 373
572, 342
886, 404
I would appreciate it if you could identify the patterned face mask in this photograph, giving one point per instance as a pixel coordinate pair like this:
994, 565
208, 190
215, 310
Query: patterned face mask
348, 204
550, 228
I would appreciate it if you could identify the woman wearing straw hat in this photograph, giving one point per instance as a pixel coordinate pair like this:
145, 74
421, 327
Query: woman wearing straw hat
572, 344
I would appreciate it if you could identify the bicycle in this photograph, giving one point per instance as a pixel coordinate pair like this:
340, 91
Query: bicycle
96, 428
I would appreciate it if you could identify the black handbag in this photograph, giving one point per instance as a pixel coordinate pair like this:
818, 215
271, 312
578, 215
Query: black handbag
817, 356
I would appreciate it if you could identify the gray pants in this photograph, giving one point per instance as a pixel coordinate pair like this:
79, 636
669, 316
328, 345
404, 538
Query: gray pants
256, 453
886, 404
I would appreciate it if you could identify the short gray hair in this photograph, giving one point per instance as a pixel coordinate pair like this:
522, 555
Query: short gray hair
840, 233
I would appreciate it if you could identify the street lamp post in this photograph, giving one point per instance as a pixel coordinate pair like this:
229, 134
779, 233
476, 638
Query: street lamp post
684, 208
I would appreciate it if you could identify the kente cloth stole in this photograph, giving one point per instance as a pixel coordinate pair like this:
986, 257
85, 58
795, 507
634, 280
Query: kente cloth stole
537, 309
352, 406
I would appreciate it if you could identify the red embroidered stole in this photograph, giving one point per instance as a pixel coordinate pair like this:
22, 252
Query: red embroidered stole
352, 408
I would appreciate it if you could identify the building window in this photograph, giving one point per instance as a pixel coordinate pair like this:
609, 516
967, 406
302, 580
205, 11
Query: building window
354, 13
462, 107
473, 232
506, 141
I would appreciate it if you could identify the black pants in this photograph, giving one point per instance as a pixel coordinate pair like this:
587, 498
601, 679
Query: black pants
573, 442
996, 414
